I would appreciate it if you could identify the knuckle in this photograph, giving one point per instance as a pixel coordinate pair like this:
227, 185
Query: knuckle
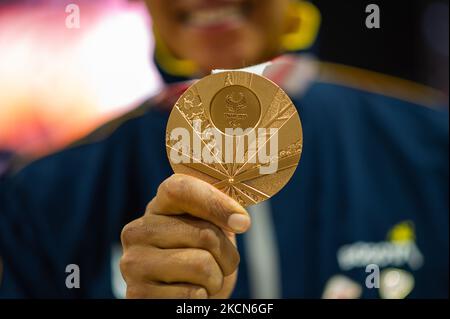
203, 263
127, 263
210, 239
173, 187
130, 232
143, 230
125, 235
215, 283
136, 265
150, 205
207, 267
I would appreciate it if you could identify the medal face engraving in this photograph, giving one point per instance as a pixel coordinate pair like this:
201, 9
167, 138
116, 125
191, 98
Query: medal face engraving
235, 107
237, 131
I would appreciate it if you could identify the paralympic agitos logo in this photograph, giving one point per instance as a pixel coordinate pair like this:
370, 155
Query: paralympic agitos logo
237, 145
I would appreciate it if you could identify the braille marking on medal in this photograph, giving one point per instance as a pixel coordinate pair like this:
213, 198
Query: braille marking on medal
238, 78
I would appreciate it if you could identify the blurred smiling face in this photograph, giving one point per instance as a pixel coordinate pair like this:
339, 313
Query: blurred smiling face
220, 33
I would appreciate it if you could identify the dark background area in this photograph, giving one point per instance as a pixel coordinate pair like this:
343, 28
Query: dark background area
411, 43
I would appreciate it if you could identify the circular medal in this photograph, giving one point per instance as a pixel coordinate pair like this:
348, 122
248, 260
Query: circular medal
237, 131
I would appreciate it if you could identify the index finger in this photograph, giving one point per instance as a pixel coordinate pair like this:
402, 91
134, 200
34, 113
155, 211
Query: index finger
181, 194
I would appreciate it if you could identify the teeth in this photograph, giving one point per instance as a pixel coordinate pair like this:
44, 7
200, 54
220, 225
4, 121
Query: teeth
208, 17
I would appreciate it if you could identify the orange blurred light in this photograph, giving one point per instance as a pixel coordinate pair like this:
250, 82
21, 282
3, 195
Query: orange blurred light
57, 84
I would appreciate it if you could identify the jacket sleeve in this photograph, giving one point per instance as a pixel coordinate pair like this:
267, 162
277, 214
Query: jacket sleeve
70, 207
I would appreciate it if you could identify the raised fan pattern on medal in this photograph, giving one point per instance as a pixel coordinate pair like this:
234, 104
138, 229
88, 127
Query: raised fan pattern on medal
241, 181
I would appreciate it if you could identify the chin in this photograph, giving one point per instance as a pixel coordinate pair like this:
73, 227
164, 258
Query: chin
225, 59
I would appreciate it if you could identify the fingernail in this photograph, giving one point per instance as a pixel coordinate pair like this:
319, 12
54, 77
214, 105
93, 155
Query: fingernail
238, 222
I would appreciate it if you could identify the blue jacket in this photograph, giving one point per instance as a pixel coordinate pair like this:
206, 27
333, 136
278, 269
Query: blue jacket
371, 188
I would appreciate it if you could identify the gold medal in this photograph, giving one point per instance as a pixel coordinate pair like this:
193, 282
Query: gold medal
237, 131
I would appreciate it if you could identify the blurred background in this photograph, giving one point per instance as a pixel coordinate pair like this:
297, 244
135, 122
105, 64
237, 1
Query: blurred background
57, 84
